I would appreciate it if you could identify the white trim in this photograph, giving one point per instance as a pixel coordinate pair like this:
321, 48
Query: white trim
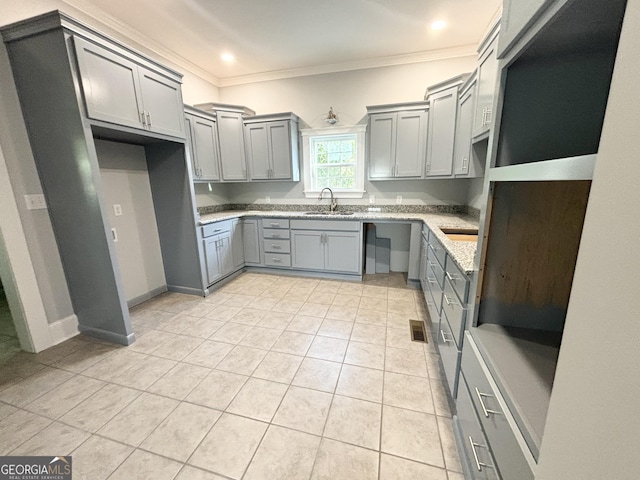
359, 131
63, 329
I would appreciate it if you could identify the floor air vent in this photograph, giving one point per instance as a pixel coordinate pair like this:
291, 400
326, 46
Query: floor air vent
417, 331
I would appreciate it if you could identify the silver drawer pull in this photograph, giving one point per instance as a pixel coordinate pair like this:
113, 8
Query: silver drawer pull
431, 280
274, 224
450, 302
277, 247
452, 278
479, 464
444, 338
432, 265
217, 230
149, 118
485, 410
277, 260
275, 235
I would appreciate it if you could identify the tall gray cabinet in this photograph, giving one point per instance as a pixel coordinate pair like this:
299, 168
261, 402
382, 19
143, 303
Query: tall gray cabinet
74, 85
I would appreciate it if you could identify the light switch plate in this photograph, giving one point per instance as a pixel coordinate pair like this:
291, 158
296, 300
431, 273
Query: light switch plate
399, 199
117, 209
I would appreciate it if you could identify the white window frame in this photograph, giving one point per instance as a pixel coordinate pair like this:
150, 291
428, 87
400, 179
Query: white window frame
308, 133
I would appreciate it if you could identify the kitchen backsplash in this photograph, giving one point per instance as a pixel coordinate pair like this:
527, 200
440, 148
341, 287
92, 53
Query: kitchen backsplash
457, 209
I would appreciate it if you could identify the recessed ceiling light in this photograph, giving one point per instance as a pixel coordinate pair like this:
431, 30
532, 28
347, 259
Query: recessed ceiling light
438, 25
227, 57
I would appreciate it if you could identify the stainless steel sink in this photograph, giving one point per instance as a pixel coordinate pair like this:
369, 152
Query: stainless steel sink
329, 213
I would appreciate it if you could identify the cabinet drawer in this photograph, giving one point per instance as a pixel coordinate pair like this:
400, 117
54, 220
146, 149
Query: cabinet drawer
437, 249
456, 313
277, 246
449, 354
275, 233
472, 442
490, 408
277, 259
275, 223
459, 281
215, 228
436, 266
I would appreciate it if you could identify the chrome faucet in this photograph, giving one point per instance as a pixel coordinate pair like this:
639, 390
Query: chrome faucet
333, 204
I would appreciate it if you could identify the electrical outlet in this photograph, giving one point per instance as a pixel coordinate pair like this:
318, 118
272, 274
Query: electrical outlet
117, 209
35, 202
399, 199
267, 199
372, 199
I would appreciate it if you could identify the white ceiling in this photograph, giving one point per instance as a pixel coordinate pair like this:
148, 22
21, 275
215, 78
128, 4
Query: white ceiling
282, 38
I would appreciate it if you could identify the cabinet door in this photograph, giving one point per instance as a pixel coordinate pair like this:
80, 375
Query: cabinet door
225, 254
257, 148
516, 16
250, 241
110, 85
442, 126
237, 247
307, 249
214, 269
205, 148
280, 150
382, 145
487, 78
462, 146
188, 131
162, 103
343, 252
231, 141
411, 132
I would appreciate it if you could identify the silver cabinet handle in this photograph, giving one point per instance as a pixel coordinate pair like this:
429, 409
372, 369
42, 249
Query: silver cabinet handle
274, 224
149, 118
142, 119
444, 338
277, 247
479, 464
488, 117
276, 235
485, 410
217, 230
432, 265
277, 260
431, 280
452, 278
449, 302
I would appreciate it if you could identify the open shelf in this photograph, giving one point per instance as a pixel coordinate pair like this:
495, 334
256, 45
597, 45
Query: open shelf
523, 364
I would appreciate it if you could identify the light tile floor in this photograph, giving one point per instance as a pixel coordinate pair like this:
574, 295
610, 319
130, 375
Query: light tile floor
270, 377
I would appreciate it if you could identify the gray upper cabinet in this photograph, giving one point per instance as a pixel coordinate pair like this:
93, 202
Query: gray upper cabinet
443, 106
202, 140
517, 16
232, 154
487, 79
397, 136
271, 147
465, 162
120, 91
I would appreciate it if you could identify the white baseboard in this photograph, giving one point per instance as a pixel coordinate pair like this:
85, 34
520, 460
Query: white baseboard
63, 329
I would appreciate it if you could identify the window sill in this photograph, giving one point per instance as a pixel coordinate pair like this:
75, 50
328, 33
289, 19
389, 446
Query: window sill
338, 194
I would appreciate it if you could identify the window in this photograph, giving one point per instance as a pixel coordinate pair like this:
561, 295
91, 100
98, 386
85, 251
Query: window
334, 158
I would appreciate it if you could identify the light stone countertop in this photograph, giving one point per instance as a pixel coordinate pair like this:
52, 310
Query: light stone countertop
462, 252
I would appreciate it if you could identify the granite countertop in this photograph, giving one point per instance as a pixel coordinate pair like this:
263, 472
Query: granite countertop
462, 252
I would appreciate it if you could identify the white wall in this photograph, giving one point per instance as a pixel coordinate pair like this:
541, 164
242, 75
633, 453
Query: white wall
125, 179
593, 424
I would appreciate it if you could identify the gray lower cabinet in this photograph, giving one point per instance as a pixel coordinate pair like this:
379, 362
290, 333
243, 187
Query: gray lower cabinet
218, 251
331, 246
477, 460
121, 91
271, 146
237, 243
250, 241
202, 140
493, 414
397, 137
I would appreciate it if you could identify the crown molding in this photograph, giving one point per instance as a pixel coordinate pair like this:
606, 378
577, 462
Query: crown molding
429, 56
143, 42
